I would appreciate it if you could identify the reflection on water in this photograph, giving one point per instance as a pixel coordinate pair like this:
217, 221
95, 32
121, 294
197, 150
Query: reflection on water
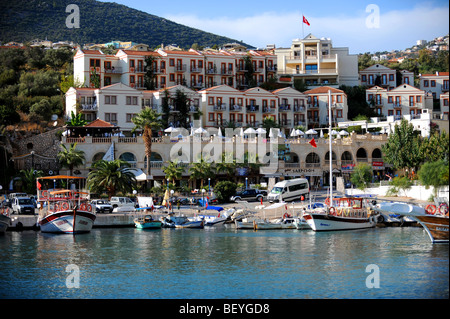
223, 263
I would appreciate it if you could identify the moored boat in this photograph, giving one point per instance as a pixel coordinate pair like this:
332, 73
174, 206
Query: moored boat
435, 222
348, 213
147, 222
281, 223
5, 220
181, 222
64, 210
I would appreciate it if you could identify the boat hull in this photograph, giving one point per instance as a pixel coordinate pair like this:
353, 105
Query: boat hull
192, 224
244, 224
148, 225
323, 222
437, 227
67, 222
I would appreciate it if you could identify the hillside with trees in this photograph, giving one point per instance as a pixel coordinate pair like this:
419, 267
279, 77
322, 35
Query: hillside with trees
100, 22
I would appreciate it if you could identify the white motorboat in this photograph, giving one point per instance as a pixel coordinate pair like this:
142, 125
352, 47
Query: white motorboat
280, 223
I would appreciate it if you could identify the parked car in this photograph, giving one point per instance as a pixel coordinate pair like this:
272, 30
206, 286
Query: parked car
122, 202
249, 194
102, 206
22, 205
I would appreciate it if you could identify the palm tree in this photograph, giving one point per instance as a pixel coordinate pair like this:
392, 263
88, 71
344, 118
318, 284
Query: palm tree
201, 170
28, 178
112, 176
173, 171
70, 157
76, 120
147, 121
227, 165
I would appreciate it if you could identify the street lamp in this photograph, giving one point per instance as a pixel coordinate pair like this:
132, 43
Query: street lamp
171, 198
209, 186
246, 183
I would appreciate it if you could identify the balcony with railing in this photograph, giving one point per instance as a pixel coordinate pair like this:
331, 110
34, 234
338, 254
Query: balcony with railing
284, 107
212, 71
252, 108
196, 70
89, 107
235, 108
220, 107
268, 109
299, 108
198, 85
285, 122
228, 72
113, 70
180, 68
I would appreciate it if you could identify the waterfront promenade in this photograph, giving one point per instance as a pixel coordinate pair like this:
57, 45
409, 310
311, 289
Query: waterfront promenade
126, 219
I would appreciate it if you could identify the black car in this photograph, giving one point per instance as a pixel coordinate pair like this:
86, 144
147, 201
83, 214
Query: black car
249, 194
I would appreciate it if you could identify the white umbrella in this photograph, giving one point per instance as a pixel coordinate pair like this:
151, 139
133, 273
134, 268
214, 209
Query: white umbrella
334, 132
171, 129
200, 130
250, 131
294, 133
219, 132
299, 132
321, 133
343, 133
271, 133
261, 131
311, 131
241, 132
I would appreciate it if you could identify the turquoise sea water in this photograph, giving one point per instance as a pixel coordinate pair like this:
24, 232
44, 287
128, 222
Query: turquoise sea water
224, 263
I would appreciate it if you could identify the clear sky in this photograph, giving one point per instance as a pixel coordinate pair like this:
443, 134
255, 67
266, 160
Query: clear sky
353, 23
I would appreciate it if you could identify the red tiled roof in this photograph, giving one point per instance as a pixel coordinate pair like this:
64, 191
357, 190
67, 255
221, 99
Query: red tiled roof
323, 89
99, 123
440, 74
92, 52
132, 52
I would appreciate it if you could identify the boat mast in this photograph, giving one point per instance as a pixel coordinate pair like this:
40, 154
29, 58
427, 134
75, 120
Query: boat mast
330, 152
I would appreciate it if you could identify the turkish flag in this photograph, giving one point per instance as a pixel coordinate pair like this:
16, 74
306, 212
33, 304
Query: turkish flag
305, 21
38, 185
313, 142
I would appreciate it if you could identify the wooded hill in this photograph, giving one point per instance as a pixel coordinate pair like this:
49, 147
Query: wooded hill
100, 22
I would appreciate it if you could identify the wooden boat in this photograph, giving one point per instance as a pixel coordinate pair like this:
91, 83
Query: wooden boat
147, 222
64, 210
347, 213
435, 222
5, 220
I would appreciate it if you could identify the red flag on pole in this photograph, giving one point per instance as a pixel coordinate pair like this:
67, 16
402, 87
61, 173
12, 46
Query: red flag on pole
313, 142
38, 185
305, 21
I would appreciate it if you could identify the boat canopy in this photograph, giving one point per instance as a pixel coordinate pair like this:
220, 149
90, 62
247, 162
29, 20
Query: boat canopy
61, 177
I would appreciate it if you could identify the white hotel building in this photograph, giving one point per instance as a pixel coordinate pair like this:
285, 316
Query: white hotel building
214, 81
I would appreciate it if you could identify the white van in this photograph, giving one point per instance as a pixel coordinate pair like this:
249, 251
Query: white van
289, 190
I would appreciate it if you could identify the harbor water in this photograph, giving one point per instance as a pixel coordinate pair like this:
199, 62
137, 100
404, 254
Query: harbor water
224, 263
